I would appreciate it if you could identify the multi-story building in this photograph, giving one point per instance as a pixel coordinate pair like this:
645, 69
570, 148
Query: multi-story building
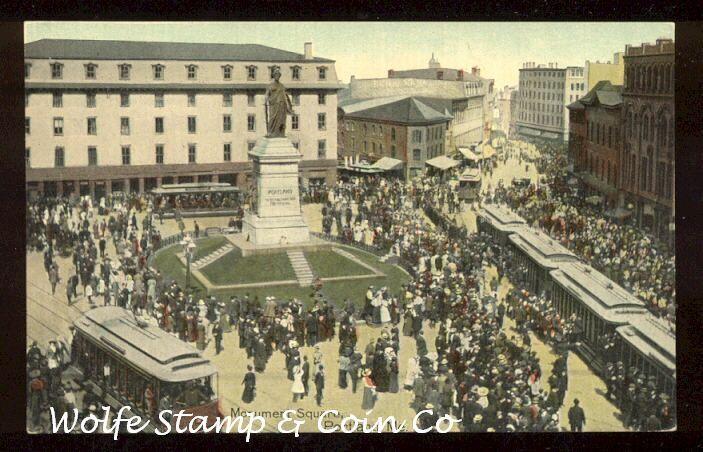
106, 116
470, 96
594, 140
614, 71
504, 104
408, 129
648, 158
545, 91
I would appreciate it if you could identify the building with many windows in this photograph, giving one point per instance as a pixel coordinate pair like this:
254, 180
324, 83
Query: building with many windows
595, 140
407, 128
105, 116
545, 91
648, 157
470, 97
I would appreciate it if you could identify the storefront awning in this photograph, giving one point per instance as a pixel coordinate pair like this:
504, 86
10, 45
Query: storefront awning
365, 169
592, 181
469, 154
442, 162
618, 214
388, 164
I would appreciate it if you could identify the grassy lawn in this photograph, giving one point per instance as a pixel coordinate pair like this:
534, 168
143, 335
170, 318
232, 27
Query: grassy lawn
243, 270
208, 245
328, 264
232, 268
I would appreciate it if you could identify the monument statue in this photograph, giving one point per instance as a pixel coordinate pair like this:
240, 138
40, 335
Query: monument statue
278, 106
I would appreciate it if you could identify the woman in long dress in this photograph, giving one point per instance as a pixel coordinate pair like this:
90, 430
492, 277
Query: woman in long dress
376, 303
297, 389
393, 377
411, 373
369, 399
384, 312
249, 383
408, 322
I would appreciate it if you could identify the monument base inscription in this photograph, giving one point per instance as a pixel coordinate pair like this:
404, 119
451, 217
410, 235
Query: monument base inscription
275, 218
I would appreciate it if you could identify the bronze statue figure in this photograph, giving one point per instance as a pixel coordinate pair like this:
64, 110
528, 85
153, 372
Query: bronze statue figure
278, 106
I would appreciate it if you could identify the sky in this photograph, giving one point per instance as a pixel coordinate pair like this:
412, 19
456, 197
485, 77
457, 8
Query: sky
369, 49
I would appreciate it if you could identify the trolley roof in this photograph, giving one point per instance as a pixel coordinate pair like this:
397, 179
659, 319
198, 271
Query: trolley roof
540, 247
196, 187
148, 348
652, 337
500, 215
607, 299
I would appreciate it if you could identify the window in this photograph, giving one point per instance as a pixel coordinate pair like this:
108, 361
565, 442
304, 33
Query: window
159, 100
90, 71
92, 156
251, 72
251, 122
273, 69
92, 126
321, 149
124, 126
295, 72
227, 152
192, 71
417, 137
126, 155
27, 127
373, 147
295, 99
27, 70
191, 99
393, 133
159, 125
158, 72
417, 154
124, 99
59, 157
321, 121
192, 126
57, 100
294, 122
321, 98
56, 70
227, 100
393, 150
296, 145
227, 72
26, 99
227, 123
159, 154
191, 153
90, 100
250, 145
251, 99
124, 70
27, 157
322, 73
58, 126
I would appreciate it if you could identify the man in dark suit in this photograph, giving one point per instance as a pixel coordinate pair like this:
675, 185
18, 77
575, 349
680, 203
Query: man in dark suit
306, 375
319, 384
577, 418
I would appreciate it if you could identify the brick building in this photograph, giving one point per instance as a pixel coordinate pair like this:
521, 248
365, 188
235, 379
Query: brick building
648, 157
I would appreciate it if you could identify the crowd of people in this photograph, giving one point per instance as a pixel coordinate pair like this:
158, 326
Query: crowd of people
479, 371
622, 252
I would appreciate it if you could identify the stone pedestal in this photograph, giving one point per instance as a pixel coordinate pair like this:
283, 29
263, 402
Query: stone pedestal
276, 217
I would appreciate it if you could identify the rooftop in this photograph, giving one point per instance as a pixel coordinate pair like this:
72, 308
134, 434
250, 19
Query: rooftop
407, 110
540, 247
80, 49
501, 214
432, 73
603, 93
652, 336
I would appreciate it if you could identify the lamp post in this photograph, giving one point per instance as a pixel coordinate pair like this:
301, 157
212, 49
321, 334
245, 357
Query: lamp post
189, 251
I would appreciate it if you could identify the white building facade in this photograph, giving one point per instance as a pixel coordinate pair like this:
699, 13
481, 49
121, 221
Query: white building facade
106, 116
544, 94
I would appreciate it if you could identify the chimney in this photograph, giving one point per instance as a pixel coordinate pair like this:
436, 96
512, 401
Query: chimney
390, 73
308, 50
460, 74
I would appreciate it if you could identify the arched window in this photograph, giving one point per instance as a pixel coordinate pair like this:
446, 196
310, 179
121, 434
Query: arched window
659, 79
671, 78
644, 166
667, 79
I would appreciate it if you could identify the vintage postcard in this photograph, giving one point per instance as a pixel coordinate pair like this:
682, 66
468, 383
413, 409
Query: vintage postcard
350, 227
